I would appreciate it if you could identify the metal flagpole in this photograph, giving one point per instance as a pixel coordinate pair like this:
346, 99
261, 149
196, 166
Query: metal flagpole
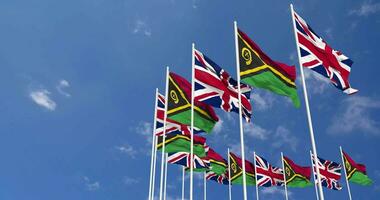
345, 173
166, 175
164, 134
229, 175
204, 187
152, 161
314, 148
315, 182
154, 167
257, 186
192, 122
240, 112
284, 171
183, 183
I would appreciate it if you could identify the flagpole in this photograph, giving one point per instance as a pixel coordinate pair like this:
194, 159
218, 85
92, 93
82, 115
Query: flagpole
164, 134
314, 148
240, 112
229, 176
192, 122
166, 175
152, 161
284, 171
345, 173
183, 183
315, 182
154, 167
204, 187
257, 186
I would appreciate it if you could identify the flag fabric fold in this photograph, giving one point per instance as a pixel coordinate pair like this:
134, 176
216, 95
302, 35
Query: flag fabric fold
184, 159
214, 86
219, 178
179, 105
295, 175
260, 71
218, 164
356, 173
318, 56
181, 143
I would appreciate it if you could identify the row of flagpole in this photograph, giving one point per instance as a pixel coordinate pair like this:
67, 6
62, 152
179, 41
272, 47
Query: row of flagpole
163, 177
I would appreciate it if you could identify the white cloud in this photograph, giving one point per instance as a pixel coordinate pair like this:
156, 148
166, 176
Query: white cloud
127, 149
218, 127
255, 131
61, 86
366, 8
262, 101
141, 27
91, 186
130, 181
145, 129
283, 137
355, 114
315, 82
274, 191
41, 98
328, 33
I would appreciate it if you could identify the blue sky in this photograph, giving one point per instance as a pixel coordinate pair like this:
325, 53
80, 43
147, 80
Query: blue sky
78, 80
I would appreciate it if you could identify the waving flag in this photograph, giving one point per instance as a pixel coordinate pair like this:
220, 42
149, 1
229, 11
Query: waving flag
330, 173
266, 174
181, 143
171, 125
215, 87
222, 178
295, 175
356, 172
184, 159
236, 169
317, 55
179, 105
218, 164
260, 71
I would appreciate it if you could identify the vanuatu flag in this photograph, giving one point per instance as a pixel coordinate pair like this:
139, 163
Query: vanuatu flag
217, 163
295, 175
260, 71
182, 143
356, 172
236, 169
179, 105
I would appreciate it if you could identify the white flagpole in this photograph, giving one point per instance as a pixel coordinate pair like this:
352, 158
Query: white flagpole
345, 173
257, 186
314, 147
315, 182
166, 175
229, 176
284, 171
192, 121
183, 183
240, 112
152, 161
154, 167
164, 134
204, 187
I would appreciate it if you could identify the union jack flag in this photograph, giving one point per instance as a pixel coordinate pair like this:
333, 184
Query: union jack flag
214, 86
266, 174
171, 125
184, 159
222, 179
317, 55
330, 173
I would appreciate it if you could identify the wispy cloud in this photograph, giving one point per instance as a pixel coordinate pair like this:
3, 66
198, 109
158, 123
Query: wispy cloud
317, 84
91, 186
127, 149
284, 138
218, 127
61, 86
41, 97
141, 27
274, 191
130, 180
355, 114
145, 129
262, 100
256, 131
366, 8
